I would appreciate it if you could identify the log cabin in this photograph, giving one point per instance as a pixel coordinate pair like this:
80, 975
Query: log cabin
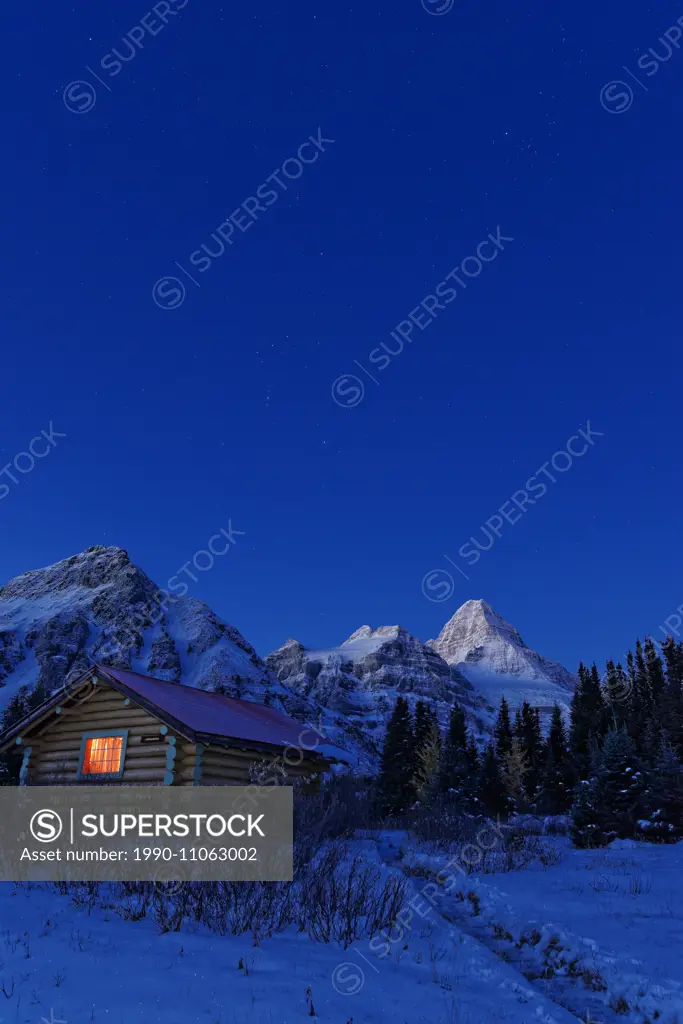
112, 726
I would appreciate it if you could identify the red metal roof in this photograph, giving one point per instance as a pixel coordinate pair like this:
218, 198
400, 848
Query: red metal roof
214, 714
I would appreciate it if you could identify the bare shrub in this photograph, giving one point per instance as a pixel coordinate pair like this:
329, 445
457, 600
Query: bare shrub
639, 885
344, 898
442, 823
335, 896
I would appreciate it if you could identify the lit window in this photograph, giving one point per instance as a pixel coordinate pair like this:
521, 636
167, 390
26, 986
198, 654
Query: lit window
102, 754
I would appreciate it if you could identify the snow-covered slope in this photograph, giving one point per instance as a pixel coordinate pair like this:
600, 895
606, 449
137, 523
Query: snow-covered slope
492, 655
98, 606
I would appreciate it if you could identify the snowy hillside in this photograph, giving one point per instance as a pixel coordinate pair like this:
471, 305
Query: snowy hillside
492, 655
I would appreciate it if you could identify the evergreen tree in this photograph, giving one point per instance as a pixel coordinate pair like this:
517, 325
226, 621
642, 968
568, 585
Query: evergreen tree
588, 719
673, 700
580, 724
472, 755
655, 672
656, 683
586, 831
455, 770
397, 763
617, 695
422, 724
642, 700
528, 732
18, 706
619, 786
426, 779
556, 795
426, 722
665, 797
673, 660
492, 791
503, 731
517, 727
597, 704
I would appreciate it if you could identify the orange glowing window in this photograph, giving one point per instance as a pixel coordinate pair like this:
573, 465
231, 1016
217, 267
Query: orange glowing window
103, 755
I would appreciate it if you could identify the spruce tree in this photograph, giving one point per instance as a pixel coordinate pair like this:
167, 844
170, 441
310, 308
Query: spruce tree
454, 767
503, 731
656, 682
620, 786
673, 660
492, 793
472, 755
556, 792
665, 797
18, 706
588, 719
655, 671
528, 732
426, 727
586, 831
632, 693
397, 763
617, 695
597, 705
422, 724
642, 700
673, 701
580, 724
426, 779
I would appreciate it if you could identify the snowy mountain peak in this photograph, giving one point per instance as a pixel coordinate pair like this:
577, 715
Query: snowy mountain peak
95, 567
380, 635
474, 623
291, 644
97, 606
482, 645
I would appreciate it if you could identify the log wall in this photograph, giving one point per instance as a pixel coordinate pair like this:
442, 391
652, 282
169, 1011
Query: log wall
56, 746
214, 765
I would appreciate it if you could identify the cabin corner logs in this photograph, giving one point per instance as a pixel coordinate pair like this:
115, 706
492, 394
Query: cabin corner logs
155, 753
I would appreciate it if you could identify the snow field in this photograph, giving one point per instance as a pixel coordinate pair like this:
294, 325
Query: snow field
599, 931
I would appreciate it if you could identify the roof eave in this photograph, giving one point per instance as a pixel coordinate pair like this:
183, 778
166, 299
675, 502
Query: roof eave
218, 740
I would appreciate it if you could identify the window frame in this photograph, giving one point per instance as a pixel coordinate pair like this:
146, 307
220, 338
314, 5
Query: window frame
100, 734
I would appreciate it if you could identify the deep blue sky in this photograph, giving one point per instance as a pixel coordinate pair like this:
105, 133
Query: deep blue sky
445, 127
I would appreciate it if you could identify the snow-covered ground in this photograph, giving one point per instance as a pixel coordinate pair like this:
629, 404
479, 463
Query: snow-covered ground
601, 932
61, 963
616, 914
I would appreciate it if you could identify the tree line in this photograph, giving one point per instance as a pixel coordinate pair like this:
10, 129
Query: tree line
615, 767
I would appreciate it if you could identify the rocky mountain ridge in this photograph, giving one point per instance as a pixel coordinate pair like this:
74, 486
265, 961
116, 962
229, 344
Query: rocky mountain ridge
360, 679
